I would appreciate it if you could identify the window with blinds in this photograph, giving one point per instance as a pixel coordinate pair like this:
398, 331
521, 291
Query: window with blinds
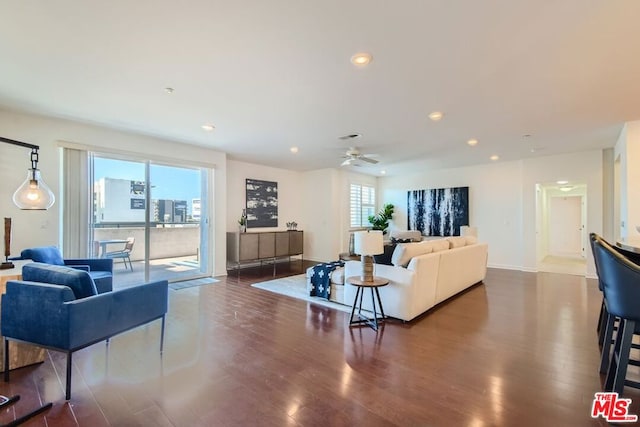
362, 200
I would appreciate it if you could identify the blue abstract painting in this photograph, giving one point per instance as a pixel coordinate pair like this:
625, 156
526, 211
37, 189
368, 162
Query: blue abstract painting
438, 212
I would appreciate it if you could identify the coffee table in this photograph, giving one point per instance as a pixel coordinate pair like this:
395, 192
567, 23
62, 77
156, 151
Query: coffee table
375, 296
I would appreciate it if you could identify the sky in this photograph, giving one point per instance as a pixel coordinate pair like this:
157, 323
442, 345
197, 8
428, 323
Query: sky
167, 182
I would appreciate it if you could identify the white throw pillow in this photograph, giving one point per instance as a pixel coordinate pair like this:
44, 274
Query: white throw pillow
403, 252
471, 240
457, 241
439, 245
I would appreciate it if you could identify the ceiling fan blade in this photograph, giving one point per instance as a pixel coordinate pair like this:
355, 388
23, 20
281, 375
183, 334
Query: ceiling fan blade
368, 160
346, 162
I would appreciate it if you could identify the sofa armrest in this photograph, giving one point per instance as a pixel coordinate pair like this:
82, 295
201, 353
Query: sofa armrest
95, 264
31, 311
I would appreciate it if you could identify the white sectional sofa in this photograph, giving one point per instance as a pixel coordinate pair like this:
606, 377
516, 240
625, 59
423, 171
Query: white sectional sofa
424, 274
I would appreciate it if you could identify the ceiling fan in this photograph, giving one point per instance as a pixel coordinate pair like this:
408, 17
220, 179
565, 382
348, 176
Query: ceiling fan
353, 157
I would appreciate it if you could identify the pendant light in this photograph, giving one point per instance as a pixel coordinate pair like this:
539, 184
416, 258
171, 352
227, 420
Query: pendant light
33, 193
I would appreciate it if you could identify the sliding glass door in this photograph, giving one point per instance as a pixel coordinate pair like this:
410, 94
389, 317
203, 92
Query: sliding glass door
149, 218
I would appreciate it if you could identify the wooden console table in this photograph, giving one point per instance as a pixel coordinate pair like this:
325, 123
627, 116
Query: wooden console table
262, 246
21, 354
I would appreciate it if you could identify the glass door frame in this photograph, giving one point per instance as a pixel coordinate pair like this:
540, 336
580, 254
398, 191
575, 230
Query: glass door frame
205, 267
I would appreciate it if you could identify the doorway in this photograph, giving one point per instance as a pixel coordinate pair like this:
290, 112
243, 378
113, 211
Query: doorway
562, 236
149, 218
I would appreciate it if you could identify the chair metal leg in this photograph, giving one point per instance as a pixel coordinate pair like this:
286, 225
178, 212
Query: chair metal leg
68, 386
162, 334
8, 401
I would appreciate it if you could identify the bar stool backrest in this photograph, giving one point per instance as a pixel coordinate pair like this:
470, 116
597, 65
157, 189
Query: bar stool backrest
621, 281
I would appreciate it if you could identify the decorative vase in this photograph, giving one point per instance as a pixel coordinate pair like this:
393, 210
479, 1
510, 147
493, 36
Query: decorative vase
243, 228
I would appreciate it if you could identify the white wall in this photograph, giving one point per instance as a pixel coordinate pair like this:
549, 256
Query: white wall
34, 228
289, 193
502, 200
323, 209
495, 202
327, 210
627, 149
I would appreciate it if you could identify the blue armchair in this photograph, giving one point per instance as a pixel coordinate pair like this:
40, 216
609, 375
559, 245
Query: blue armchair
100, 270
58, 308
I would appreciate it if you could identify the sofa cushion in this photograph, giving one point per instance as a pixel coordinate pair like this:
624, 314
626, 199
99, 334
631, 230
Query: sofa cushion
79, 281
44, 254
405, 251
457, 241
438, 245
471, 240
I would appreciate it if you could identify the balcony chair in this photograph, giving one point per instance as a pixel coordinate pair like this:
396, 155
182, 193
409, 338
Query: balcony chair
58, 308
124, 253
620, 279
100, 270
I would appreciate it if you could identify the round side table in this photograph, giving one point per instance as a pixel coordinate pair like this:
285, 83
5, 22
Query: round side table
375, 296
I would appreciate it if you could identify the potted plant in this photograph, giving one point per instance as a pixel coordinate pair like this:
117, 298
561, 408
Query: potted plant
380, 221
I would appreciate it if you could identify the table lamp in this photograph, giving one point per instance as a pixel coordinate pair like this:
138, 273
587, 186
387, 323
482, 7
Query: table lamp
367, 244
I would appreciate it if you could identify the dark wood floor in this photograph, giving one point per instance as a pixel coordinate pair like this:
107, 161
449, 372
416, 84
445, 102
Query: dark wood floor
518, 350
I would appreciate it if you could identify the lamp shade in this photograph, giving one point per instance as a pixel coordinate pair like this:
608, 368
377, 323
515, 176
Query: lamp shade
368, 242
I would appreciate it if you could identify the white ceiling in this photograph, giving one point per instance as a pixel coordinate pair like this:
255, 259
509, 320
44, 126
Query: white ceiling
274, 74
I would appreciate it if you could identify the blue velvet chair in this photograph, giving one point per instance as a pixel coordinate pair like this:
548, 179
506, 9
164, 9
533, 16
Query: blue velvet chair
59, 308
100, 270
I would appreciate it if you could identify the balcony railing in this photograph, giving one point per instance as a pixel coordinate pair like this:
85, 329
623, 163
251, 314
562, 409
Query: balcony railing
173, 250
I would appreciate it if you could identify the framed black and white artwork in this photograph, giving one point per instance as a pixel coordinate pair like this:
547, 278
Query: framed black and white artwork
262, 203
438, 212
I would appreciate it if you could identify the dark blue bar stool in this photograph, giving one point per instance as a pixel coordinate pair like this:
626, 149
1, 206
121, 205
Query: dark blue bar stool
620, 279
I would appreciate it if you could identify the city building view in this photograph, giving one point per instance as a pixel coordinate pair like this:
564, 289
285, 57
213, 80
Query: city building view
122, 200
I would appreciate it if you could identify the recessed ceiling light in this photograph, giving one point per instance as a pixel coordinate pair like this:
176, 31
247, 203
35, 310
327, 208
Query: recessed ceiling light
436, 115
562, 182
472, 142
208, 127
293, 149
494, 157
169, 89
361, 59
383, 172
566, 188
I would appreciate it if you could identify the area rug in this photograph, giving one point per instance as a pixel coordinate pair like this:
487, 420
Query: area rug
296, 287
176, 286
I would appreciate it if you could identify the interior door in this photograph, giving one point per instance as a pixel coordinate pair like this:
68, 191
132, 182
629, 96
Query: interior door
565, 226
